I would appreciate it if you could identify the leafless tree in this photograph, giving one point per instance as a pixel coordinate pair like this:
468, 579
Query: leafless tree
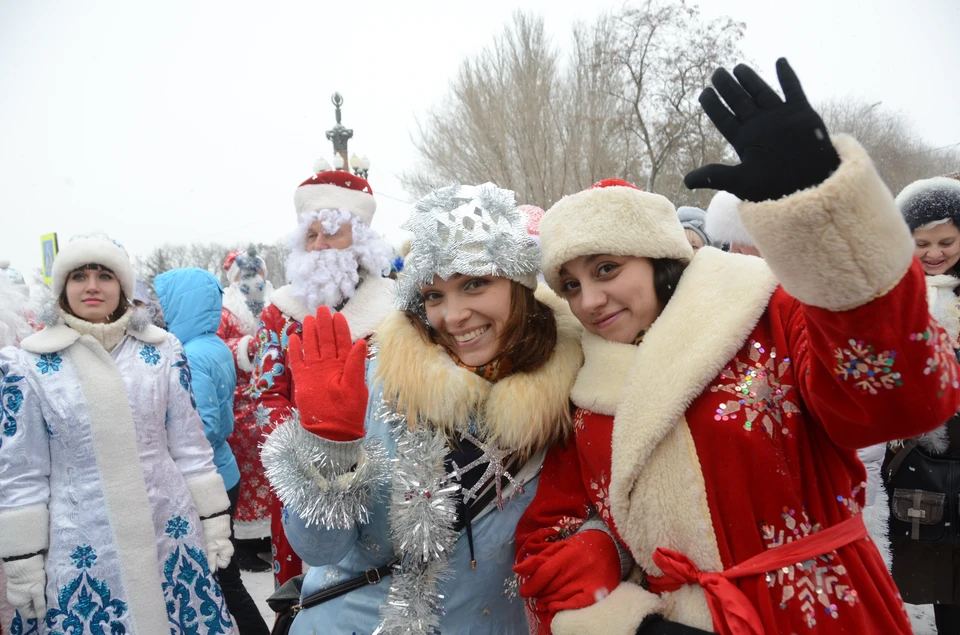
210, 256
900, 155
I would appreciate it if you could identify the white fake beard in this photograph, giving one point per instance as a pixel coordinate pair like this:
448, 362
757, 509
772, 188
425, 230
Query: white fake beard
324, 278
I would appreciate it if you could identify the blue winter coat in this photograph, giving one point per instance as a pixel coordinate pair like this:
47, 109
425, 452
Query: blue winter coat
192, 300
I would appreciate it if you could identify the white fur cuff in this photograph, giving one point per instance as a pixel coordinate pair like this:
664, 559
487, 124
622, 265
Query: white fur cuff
838, 245
24, 530
209, 494
620, 613
244, 360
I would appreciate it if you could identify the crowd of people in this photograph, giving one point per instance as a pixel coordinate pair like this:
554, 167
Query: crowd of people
612, 417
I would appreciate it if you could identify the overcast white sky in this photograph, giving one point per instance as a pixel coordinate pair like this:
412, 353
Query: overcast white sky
184, 121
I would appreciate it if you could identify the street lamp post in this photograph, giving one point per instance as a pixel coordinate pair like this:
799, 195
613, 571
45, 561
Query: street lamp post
340, 135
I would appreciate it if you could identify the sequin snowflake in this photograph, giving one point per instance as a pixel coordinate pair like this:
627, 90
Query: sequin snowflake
760, 398
49, 363
600, 492
261, 415
817, 581
83, 556
868, 369
149, 354
941, 363
177, 527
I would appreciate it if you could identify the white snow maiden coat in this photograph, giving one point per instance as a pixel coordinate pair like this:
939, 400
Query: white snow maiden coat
410, 376
104, 466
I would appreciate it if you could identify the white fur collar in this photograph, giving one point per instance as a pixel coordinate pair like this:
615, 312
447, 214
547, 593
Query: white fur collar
943, 303
374, 299
717, 304
525, 411
943, 281
235, 302
59, 336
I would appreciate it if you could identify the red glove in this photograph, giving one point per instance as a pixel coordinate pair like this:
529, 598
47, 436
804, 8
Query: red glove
329, 377
571, 573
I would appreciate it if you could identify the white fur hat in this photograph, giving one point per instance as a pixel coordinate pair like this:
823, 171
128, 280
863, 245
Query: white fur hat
612, 217
336, 189
94, 249
723, 221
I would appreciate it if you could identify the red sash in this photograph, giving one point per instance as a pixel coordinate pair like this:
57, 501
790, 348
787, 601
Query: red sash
732, 612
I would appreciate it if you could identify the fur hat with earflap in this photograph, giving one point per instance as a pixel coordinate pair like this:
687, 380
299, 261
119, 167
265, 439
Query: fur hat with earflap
611, 217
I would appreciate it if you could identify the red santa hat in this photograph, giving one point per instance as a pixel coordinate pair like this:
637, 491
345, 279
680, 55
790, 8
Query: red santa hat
723, 221
336, 189
611, 217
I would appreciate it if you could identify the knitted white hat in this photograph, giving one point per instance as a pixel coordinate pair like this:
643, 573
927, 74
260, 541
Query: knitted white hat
95, 249
723, 221
611, 217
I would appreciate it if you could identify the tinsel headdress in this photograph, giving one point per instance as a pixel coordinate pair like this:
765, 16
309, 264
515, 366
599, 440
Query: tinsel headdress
470, 230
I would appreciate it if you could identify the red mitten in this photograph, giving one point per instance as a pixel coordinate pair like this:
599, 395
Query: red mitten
329, 377
572, 573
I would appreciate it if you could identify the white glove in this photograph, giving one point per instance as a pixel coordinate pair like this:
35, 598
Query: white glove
216, 531
26, 582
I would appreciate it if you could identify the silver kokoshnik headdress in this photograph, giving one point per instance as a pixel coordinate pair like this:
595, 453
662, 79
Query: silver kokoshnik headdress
470, 230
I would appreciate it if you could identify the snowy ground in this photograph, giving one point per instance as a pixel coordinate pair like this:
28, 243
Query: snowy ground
260, 587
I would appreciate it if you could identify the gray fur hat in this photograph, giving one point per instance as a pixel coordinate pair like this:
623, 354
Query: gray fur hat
695, 219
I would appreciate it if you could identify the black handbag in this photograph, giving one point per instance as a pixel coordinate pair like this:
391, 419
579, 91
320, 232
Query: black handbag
924, 493
286, 603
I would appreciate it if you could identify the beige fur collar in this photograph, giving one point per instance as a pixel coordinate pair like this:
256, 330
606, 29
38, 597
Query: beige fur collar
718, 302
526, 411
374, 300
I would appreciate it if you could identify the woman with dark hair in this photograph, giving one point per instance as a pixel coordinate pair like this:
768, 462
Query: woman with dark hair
112, 514
719, 412
469, 385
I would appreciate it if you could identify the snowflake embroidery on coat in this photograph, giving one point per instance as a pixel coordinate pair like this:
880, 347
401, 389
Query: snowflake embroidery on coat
567, 526
11, 400
868, 369
941, 361
186, 576
820, 580
579, 420
149, 354
600, 492
177, 527
759, 396
49, 363
261, 415
85, 604
185, 379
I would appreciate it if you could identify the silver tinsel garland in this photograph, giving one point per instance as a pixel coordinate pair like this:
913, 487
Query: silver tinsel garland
423, 514
306, 483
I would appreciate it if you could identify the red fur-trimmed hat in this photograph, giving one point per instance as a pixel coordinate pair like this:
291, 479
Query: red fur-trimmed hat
611, 217
336, 189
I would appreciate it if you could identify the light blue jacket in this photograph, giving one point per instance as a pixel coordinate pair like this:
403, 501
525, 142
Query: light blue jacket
476, 600
192, 300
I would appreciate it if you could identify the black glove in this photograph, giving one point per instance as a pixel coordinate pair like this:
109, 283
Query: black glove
656, 625
783, 147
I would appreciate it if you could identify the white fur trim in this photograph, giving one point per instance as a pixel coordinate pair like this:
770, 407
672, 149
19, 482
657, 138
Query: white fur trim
209, 494
310, 198
374, 300
943, 303
236, 303
657, 490
619, 221
923, 185
98, 250
876, 517
113, 433
840, 244
605, 364
24, 530
59, 336
620, 613
251, 529
244, 361
723, 221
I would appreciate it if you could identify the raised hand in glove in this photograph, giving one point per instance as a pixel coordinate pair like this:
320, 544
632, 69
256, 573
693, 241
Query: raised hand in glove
572, 573
26, 582
216, 533
329, 377
783, 145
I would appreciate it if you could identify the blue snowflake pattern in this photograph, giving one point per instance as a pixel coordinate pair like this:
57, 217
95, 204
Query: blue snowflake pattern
86, 604
11, 400
185, 377
49, 363
177, 527
149, 354
83, 557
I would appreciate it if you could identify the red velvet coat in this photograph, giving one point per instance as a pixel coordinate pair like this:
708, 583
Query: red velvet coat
732, 429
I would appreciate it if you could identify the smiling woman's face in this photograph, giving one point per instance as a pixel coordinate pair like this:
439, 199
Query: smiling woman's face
93, 294
612, 296
469, 314
937, 247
